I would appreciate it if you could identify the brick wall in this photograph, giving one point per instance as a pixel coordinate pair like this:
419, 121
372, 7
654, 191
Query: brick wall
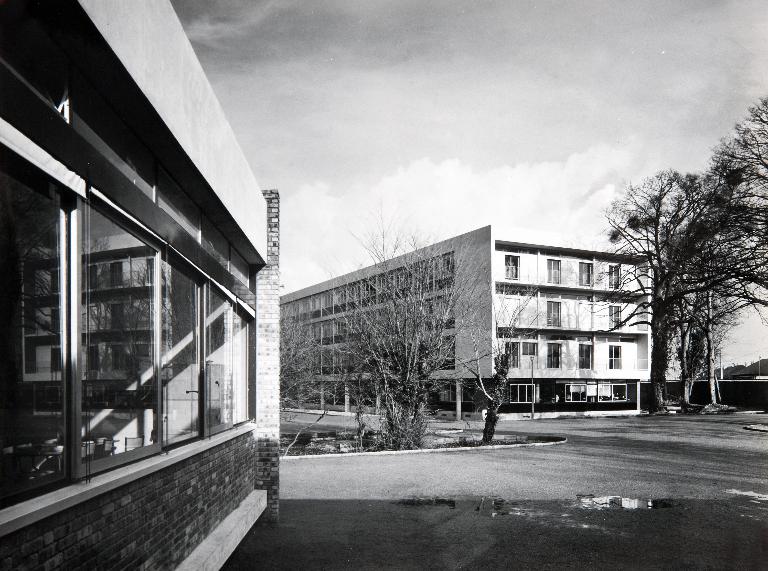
267, 343
153, 522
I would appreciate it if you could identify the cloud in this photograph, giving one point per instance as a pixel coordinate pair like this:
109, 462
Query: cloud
554, 202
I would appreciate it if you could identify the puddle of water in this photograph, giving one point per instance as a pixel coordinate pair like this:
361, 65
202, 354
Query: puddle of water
589, 501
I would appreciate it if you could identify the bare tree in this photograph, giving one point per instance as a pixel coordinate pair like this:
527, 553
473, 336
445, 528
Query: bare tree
299, 354
695, 235
401, 322
510, 315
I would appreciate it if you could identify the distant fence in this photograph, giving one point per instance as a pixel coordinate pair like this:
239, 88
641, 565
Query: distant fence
736, 393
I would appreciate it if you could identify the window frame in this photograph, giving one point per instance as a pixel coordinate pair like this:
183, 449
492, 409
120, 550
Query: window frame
515, 388
554, 270
614, 276
587, 346
569, 394
611, 389
553, 356
590, 267
507, 267
614, 316
614, 360
554, 318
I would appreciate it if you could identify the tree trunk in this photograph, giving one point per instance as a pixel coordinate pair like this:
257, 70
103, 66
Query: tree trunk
491, 419
659, 359
684, 373
710, 353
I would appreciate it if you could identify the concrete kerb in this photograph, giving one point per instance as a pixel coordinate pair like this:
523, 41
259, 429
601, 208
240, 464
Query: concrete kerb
424, 450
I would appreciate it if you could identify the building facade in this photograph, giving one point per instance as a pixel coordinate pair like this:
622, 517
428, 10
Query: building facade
138, 304
558, 314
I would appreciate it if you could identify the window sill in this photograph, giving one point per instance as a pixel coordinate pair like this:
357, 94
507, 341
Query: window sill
31, 511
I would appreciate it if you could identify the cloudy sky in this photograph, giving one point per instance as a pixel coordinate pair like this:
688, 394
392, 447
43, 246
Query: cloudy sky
445, 116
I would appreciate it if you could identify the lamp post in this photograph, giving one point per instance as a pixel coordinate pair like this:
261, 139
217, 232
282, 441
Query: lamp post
533, 388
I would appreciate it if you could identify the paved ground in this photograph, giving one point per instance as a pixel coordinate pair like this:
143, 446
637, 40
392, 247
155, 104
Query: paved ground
519, 507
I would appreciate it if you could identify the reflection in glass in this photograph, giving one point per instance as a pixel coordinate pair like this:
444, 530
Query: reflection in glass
119, 382
180, 372
218, 360
31, 390
240, 369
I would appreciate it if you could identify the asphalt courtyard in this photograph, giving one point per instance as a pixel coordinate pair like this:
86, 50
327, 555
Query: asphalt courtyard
581, 504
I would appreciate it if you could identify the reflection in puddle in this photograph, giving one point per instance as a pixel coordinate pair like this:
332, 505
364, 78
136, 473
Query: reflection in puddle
589, 501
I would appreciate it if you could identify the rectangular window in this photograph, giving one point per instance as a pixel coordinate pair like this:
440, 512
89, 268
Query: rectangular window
585, 273
530, 352
179, 356
553, 355
614, 356
512, 351
119, 397
614, 276
614, 316
512, 267
218, 360
240, 369
553, 314
585, 356
612, 392
519, 393
553, 271
576, 393
116, 274
32, 445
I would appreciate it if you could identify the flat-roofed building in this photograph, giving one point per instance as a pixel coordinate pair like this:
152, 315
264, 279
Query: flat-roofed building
138, 297
560, 314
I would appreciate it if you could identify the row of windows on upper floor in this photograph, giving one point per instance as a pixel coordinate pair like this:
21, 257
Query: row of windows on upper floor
427, 275
555, 275
32, 56
521, 354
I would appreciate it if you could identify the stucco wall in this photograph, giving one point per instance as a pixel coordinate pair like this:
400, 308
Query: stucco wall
148, 38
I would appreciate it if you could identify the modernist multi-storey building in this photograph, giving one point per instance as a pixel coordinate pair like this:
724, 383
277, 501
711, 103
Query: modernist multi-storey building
138, 298
558, 314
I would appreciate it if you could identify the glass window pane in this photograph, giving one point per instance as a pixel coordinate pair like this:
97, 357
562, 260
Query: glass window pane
180, 365
240, 370
119, 384
218, 360
31, 389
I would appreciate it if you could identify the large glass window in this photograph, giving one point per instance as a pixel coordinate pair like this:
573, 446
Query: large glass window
179, 357
520, 393
576, 393
119, 386
612, 392
31, 389
240, 369
218, 360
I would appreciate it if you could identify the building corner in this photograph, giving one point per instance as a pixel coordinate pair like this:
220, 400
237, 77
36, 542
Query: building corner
267, 402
